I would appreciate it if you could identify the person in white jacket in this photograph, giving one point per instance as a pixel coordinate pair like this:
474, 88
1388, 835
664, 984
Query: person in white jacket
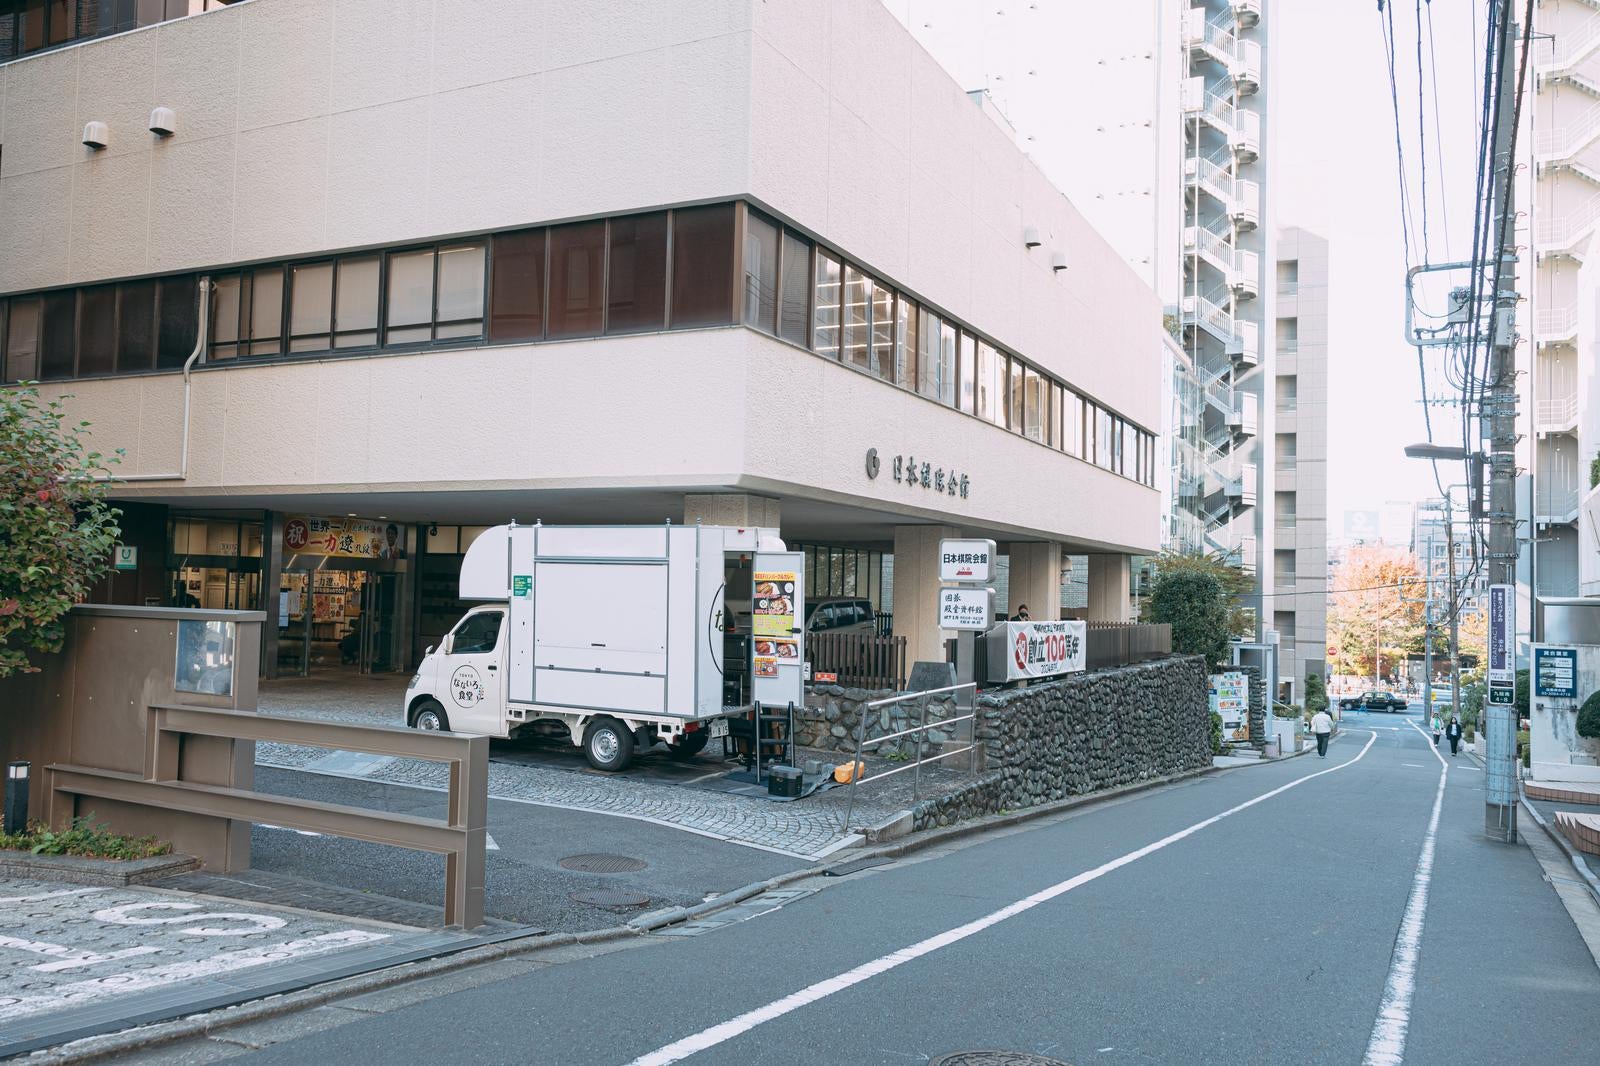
1322, 726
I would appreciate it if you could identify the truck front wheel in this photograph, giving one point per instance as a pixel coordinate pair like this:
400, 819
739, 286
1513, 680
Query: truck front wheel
689, 745
607, 744
430, 717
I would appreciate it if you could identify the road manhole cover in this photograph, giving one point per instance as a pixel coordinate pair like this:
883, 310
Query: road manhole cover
996, 1058
602, 864
611, 898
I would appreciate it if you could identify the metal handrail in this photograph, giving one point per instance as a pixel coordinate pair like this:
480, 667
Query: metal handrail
922, 727
459, 837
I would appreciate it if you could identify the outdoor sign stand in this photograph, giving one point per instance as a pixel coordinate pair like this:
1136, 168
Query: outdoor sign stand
966, 603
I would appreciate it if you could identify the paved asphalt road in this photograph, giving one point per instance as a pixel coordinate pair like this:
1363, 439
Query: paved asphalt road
525, 882
1265, 936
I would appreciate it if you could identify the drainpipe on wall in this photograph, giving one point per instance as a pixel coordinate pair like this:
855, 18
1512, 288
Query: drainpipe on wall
188, 365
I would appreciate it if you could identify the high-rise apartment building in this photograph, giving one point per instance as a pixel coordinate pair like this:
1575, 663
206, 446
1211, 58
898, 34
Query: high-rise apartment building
1559, 408
1300, 452
1170, 164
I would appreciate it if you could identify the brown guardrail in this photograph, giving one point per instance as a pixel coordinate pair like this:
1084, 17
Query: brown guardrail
460, 837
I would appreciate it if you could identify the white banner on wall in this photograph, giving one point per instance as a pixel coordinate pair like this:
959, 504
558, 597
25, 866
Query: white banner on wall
1018, 650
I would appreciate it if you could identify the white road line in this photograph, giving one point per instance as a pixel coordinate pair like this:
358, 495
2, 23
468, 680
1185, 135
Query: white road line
719, 1034
1387, 1045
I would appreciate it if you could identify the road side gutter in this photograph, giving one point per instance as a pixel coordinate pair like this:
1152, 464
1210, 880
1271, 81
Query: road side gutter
507, 945
1579, 864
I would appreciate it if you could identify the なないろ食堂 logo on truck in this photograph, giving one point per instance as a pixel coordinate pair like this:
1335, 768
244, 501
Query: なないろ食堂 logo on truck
466, 687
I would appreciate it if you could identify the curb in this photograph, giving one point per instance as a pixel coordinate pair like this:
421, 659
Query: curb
99, 1048
1579, 864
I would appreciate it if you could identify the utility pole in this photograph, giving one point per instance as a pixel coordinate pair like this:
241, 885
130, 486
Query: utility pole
1456, 599
1498, 413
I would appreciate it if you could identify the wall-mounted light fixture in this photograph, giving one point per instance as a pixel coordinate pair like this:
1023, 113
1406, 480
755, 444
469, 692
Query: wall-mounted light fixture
1058, 262
1030, 237
95, 135
163, 122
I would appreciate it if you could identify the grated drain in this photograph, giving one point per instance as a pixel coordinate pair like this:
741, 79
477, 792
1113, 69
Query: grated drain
996, 1058
611, 898
602, 864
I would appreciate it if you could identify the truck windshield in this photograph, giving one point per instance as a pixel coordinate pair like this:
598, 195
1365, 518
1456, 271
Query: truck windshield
479, 633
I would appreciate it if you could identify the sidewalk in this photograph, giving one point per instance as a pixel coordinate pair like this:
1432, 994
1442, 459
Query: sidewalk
79, 961
808, 829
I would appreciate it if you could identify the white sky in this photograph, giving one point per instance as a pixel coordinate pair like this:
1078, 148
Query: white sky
1332, 145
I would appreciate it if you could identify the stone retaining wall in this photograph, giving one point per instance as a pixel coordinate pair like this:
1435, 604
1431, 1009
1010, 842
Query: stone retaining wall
1080, 735
833, 713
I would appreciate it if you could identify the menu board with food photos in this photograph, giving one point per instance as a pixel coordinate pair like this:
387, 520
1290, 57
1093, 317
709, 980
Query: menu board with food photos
773, 614
777, 647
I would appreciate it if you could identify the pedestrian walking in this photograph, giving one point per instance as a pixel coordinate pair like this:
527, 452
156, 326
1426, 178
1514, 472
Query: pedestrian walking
1436, 725
1322, 726
1453, 731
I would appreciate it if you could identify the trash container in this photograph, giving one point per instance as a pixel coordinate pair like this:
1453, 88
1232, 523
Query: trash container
1274, 748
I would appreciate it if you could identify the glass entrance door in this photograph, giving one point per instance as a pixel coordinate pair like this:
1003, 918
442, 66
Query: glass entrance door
378, 635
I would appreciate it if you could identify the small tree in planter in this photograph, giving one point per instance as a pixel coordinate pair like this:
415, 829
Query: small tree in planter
57, 531
1316, 694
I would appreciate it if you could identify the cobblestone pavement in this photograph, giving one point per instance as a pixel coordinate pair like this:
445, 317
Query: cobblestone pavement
75, 958
807, 828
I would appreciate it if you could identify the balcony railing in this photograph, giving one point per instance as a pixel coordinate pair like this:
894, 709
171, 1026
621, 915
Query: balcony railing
1561, 412
1555, 501
1551, 324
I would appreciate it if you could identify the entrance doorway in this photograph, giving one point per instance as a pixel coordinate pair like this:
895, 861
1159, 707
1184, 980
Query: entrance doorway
338, 614
214, 562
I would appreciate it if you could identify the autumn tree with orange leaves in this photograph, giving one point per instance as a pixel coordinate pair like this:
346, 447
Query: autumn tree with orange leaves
1375, 611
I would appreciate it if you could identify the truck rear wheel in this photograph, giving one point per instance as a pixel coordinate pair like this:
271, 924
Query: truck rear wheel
689, 745
430, 717
608, 744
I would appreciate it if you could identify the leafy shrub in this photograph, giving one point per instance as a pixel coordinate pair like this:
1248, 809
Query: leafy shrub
1589, 717
1216, 733
1524, 748
84, 837
1195, 605
57, 531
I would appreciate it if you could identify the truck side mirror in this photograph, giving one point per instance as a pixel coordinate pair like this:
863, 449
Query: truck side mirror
447, 643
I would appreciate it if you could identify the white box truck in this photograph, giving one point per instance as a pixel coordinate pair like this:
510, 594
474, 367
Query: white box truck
617, 637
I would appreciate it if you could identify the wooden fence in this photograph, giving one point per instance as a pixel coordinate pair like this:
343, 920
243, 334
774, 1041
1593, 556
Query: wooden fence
1121, 643
862, 660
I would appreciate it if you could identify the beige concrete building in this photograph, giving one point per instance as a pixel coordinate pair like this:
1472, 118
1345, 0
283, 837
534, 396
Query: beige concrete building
1299, 596
350, 281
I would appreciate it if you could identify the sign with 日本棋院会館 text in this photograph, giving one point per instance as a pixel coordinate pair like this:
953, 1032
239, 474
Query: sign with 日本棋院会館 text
966, 560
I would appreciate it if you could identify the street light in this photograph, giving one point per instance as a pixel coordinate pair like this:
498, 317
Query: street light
1436, 451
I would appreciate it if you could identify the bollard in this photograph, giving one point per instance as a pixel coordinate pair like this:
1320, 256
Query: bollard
16, 809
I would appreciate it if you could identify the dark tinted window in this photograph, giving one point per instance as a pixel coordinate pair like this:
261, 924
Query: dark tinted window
517, 300
97, 330
794, 306
22, 340
636, 291
577, 265
179, 321
760, 273
702, 266
136, 325
55, 343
